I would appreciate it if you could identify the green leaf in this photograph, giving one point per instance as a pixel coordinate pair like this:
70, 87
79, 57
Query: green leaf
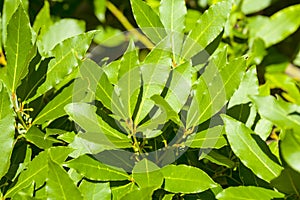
9, 8
263, 128
249, 193
216, 85
288, 181
7, 128
55, 108
191, 179
55, 34
36, 171
290, 149
59, 154
100, 8
209, 138
95, 190
100, 86
246, 148
151, 128
217, 158
120, 191
43, 21
148, 20
280, 25
109, 36
142, 194
191, 19
68, 55
94, 170
278, 112
286, 83
208, 27
180, 86
172, 15
19, 48
155, 72
99, 135
250, 6
38, 138
248, 86
59, 185
147, 174
129, 83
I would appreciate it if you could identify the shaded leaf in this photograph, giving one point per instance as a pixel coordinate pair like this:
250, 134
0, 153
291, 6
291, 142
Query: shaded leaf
288, 181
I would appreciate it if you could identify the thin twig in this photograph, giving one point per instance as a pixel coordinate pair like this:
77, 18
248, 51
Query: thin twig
124, 21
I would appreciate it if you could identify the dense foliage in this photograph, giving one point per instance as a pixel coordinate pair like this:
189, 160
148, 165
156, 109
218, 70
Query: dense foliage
168, 99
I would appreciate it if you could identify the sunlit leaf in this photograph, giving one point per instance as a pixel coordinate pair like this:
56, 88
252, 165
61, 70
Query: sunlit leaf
191, 179
208, 27
148, 20
7, 128
246, 148
95, 170
249, 193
